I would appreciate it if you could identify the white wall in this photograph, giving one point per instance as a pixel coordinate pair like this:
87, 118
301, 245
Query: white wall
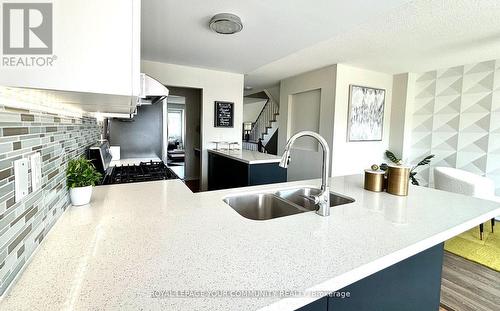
354, 157
274, 92
403, 93
455, 115
215, 85
252, 108
333, 82
304, 111
306, 163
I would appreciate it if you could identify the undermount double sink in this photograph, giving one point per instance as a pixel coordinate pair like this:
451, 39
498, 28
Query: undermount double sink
263, 206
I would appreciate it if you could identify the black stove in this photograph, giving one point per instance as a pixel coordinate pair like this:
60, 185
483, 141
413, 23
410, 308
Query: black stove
145, 171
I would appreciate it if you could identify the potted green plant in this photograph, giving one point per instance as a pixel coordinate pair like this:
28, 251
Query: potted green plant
81, 177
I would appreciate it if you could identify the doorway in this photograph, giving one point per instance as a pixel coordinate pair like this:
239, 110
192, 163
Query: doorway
183, 115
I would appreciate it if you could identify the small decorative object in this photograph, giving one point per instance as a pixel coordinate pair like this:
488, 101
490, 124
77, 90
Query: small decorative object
374, 180
398, 179
217, 143
224, 114
247, 127
366, 113
384, 167
235, 143
81, 177
425, 161
375, 167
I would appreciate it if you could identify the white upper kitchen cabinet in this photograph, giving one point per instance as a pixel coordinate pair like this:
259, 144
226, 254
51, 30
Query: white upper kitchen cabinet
95, 46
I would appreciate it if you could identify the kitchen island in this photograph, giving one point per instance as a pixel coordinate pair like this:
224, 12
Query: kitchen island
241, 168
157, 246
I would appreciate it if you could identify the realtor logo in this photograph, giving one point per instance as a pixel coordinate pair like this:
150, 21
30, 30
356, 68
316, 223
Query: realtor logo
27, 28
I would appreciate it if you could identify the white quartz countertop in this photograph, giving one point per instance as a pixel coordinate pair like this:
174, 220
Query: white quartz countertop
248, 156
138, 243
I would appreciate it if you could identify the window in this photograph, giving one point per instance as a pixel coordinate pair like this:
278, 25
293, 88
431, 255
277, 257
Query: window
176, 125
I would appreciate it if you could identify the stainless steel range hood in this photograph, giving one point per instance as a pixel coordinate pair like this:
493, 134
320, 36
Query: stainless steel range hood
152, 91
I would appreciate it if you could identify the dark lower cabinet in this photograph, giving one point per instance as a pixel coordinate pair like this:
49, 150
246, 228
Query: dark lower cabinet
318, 305
413, 284
225, 173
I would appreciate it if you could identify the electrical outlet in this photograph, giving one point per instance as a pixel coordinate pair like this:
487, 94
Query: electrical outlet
36, 171
21, 178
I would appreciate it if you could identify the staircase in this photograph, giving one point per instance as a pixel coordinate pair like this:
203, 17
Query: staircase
266, 125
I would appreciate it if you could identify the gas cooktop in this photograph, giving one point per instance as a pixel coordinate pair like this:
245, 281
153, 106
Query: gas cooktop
145, 171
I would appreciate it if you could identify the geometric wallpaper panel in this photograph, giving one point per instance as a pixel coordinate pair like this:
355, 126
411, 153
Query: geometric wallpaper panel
456, 116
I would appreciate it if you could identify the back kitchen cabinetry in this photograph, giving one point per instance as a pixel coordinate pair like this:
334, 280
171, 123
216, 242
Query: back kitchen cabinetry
95, 48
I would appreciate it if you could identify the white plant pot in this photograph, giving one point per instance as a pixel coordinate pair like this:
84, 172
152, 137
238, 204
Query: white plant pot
80, 195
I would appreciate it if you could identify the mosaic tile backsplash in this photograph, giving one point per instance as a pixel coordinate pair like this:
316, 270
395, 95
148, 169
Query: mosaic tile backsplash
57, 138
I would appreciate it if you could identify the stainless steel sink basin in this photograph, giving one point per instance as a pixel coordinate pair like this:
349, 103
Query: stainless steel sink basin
263, 206
301, 197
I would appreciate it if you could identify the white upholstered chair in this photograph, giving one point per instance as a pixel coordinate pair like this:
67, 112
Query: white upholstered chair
462, 182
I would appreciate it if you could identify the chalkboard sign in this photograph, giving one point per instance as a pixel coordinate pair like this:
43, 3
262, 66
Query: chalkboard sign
224, 114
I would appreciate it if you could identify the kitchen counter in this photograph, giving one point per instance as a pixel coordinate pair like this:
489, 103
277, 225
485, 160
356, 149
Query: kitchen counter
136, 242
248, 156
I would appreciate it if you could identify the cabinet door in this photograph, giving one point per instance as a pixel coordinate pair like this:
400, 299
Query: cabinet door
225, 173
413, 284
318, 305
95, 47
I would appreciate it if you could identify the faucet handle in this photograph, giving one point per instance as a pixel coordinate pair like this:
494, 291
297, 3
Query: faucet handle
285, 160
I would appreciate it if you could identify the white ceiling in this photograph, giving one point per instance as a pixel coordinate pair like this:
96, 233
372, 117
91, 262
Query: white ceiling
177, 31
281, 40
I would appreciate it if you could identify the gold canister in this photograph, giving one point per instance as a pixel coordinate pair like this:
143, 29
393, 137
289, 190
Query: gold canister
374, 180
398, 177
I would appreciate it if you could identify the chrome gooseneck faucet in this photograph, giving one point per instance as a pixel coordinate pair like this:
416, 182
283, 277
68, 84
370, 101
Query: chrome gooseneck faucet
323, 198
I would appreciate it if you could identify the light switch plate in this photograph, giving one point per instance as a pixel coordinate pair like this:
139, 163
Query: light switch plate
36, 171
21, 178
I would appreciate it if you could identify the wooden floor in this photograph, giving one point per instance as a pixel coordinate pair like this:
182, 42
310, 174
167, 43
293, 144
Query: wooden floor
468, 286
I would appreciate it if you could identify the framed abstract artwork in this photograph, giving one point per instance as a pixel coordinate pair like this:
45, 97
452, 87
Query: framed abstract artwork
366, 113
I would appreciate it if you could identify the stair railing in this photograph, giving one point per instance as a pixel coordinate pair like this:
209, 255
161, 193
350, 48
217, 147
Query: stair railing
250, 145
263, 123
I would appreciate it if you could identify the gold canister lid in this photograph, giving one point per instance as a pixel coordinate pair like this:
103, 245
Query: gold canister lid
374, 172
399, 166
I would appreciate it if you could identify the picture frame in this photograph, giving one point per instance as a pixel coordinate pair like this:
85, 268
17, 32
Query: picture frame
224, 114
366, 110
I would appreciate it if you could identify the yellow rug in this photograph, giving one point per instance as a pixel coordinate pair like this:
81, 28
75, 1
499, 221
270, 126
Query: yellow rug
469, 246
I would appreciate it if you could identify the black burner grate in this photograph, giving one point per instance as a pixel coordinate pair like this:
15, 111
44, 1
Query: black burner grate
145, 171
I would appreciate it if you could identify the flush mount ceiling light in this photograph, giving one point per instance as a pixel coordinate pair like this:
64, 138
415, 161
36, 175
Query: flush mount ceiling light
226, 23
